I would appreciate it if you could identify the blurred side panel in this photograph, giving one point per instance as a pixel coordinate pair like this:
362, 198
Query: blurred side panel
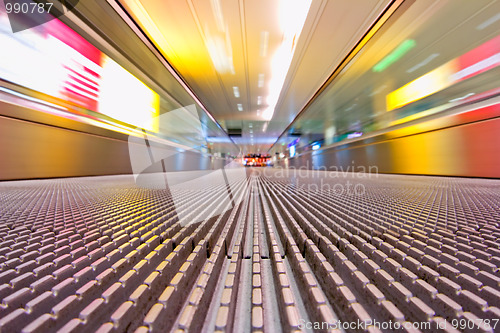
32, 150
469, 149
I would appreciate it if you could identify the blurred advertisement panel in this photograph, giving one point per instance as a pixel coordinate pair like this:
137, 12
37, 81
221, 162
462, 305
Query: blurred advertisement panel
55, 60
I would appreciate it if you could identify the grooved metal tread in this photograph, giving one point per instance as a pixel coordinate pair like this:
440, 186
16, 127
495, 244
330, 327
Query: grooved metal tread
282, 250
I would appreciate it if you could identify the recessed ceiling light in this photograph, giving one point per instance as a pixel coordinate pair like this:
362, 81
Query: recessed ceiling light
259, 100
219, 18
250, 125
236, 92
264, 42
282, 58
240, 107
423, 63
488, 22
260, 83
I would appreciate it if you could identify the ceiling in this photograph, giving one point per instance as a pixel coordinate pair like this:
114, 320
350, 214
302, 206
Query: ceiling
254, 64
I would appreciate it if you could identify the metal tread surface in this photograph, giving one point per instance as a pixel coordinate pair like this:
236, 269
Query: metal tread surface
290, 251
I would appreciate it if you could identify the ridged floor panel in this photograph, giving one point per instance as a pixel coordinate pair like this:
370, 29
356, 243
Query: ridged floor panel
265, 250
